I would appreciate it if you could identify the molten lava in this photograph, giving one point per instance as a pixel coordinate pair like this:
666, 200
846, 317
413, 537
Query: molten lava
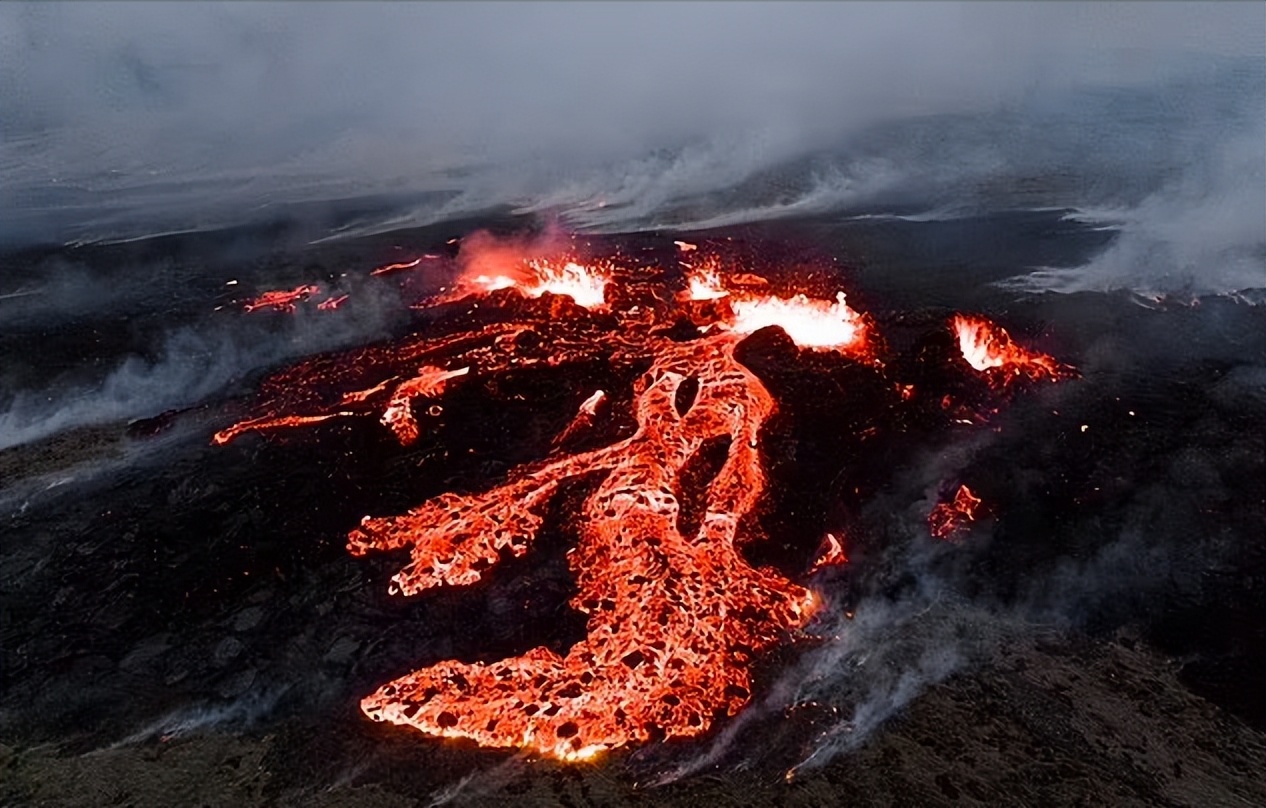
225, 435
383, 270
706, 285
676, 614
332, 303
950, 520
429, 383
281, 299
989, 349
674, 619
810, 322
586, 285
830, 554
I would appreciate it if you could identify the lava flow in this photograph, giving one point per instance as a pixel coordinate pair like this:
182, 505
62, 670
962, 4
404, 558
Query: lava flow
383, 270
332, 303
281, 299
429, 383
676, 614
950, 520
831, 554
674, 619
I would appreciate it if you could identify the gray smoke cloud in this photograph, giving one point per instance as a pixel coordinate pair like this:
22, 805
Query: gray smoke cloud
121, 117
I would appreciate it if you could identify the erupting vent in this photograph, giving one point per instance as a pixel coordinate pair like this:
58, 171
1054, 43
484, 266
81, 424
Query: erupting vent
586, 285
989, 349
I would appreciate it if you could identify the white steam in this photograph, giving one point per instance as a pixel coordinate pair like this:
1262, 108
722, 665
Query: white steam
1203, 233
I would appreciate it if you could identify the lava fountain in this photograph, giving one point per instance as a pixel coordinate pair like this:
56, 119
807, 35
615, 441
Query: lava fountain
988, 348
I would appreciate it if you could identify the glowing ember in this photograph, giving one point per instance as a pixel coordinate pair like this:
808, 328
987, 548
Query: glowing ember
686, 246
949, 520
590, 405
281, 299
667, 610
989, 349
747, 280
583, 420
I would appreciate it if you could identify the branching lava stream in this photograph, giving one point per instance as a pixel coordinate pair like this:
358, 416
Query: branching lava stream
675, 618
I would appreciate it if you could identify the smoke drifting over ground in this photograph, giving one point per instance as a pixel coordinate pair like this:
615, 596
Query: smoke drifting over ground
624, 116
185, 366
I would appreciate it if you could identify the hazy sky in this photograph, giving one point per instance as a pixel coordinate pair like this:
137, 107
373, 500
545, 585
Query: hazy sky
136, 103
499, 78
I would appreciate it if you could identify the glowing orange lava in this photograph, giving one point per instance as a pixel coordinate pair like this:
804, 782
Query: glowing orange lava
429, 383
989, 349
831, 554
259, 424
281, 299
676, 614
949, 520
383, 270
810, 322
586, 285
674, 619
705, 284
